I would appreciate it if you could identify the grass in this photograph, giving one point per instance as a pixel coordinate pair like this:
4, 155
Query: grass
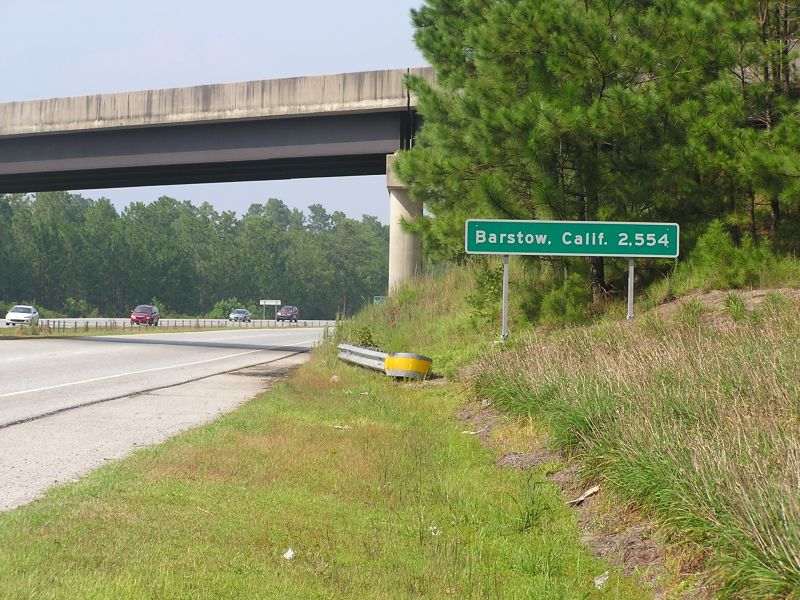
693, 418
371, 483
430, 317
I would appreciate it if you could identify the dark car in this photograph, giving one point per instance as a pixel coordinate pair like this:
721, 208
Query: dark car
288, 313
145, 314
240, 314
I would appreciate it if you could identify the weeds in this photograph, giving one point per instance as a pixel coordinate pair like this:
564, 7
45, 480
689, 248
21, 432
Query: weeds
483, 303
690, 313
698, 425
364, 336
424, 319
533, 505
735, 307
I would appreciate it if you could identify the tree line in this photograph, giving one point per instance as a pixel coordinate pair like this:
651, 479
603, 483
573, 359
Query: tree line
623, 110
68, 253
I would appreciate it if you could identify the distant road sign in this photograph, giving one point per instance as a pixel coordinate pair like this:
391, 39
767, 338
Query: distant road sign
572, 238
378, 299
270, 302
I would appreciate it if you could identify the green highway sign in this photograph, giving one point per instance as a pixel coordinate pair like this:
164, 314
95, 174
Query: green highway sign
572, 238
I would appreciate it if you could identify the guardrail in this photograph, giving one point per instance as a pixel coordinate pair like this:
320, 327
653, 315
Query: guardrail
395, 364
124, 325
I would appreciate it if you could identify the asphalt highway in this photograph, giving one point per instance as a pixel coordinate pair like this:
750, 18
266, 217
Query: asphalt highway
68, 405
41, 376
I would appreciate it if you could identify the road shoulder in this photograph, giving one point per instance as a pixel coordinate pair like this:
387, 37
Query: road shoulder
62, 448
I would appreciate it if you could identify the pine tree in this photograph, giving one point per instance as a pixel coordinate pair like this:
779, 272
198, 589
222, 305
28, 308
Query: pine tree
559, 109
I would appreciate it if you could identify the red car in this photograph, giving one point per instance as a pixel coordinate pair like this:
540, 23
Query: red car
288, 313
145, 314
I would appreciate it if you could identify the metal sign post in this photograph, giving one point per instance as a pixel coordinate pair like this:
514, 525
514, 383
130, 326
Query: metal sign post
630, 289
504, 333
266, 303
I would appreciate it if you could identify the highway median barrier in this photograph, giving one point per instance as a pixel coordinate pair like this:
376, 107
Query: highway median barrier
402, 365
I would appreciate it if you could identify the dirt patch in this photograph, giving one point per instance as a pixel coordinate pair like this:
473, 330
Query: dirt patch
527, 460
635, 549
567, 480
482, 420
715, 299
466, 373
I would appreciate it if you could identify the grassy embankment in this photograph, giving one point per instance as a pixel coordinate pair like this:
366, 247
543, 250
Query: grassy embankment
690, 413
692, 418
376, 487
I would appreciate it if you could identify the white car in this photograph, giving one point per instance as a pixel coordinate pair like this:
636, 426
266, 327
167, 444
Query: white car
22, 315
240, 314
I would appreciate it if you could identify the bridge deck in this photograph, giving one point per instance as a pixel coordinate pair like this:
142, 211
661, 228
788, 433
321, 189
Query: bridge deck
274, 129
368, 91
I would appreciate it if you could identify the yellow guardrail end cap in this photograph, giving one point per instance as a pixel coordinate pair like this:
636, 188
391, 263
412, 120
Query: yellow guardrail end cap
411, 366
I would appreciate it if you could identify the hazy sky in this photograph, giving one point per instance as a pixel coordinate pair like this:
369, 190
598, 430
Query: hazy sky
70, 48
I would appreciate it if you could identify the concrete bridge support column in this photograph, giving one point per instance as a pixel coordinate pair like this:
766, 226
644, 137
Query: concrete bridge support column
405, 249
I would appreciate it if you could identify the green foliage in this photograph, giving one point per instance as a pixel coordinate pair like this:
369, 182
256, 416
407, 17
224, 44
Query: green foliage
519, 125
568, 304
532, 504
429, 317
717, 263
486, 301
735, 306
581, 419
364, 336
184, 258
161, 306
775, 303
224, 307
690, 312
76, 308
529, 301
636, 113
407, 294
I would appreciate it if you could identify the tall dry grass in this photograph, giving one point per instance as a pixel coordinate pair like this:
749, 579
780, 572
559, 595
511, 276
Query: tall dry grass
694, 417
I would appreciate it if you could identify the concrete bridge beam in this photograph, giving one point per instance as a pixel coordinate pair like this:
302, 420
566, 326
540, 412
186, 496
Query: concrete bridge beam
405, 249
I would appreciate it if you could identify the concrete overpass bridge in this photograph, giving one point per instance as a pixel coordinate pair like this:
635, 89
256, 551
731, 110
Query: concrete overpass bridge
326, 126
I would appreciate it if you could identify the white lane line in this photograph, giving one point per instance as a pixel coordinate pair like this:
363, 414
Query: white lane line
107, 377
